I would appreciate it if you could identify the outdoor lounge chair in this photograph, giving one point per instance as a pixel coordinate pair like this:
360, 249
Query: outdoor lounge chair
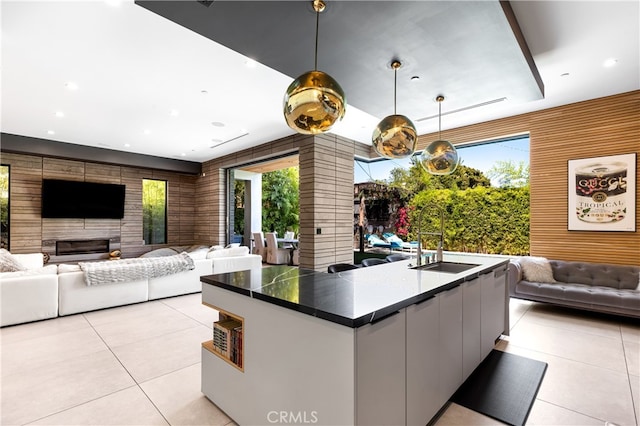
396, 242
375, 241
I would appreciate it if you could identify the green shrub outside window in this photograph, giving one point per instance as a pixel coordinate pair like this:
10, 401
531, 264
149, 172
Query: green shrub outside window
154, 211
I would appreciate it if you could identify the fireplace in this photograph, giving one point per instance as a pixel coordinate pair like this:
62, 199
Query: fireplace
67, 247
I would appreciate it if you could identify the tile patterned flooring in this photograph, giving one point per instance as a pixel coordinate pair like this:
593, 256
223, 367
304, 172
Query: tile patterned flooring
140, 365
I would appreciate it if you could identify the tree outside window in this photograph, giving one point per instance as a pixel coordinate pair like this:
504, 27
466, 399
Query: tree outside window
154, 211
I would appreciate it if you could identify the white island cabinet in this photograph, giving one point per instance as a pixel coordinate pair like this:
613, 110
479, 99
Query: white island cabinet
380, 345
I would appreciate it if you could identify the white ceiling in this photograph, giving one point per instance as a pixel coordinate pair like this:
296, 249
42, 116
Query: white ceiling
133, 67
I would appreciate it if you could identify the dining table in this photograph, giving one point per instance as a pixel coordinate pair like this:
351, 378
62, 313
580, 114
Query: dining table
290, 244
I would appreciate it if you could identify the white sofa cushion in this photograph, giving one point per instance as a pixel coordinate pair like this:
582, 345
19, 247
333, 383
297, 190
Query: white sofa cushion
223, 265
64, 268
31, 260
30, 297
9, 263
228, 252
43, 270
76, 296
181, 283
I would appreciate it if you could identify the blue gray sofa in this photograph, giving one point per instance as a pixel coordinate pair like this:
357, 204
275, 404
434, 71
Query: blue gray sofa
612, 289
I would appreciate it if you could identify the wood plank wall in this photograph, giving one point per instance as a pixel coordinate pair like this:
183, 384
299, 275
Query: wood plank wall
326, 195
326, 201
596, 128
31, 233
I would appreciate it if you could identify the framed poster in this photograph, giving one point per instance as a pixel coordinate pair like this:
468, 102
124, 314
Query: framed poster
602, 193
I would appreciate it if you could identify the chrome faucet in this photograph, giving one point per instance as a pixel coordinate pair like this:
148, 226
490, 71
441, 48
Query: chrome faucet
441, 233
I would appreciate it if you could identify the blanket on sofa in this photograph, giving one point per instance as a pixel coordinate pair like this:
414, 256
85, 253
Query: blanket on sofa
126, 270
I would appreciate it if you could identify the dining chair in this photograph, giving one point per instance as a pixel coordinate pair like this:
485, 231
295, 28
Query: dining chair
340, 267
275, 254
371, 261
259, 246
396, 257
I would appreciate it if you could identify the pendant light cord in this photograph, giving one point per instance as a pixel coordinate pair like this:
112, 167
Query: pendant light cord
439, 120
395, 88
315, 64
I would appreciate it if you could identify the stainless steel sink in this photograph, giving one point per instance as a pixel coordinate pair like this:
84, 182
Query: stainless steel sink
449, 267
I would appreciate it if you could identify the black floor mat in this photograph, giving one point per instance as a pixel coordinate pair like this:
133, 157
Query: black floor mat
504, 387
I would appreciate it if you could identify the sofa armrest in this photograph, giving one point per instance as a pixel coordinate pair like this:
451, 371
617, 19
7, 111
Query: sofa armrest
28, 298
515, 276
223, 265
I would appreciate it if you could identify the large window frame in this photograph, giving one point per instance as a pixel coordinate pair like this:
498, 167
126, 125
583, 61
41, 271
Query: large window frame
5, 207
154, 213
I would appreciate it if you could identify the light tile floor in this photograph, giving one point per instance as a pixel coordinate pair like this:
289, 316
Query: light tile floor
140, 365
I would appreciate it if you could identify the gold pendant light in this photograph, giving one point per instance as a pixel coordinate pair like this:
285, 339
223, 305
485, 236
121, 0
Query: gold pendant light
440, 157
395, 136
314, 102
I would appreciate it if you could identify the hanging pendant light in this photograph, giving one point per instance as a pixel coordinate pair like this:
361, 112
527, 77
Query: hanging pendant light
440, 157
314, 102
395, 136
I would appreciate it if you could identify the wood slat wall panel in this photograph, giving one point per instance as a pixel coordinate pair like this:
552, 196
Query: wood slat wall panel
31, 233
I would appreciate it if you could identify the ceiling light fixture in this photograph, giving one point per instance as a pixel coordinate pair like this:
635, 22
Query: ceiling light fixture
70, 85
611, 62
314, 102
395, 136
440, 157
59, 114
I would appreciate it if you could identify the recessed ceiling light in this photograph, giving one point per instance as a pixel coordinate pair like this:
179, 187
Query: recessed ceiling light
182, 154
51, 132
204, 92
127, 145
174, 113
250, 63
59, 114
217, 124
114, 3
70, 85
415, 78
564, 74
611, 62
147, 132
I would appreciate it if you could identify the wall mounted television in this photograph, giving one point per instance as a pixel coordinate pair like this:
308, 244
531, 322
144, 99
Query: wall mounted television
65, 199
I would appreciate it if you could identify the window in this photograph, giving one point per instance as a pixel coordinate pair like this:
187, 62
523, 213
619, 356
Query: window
154, 211
4, 207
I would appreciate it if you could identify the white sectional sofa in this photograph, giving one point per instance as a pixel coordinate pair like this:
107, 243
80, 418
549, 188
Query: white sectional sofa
31, 294
46, 292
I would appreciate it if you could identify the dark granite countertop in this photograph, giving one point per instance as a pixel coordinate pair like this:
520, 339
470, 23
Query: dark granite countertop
351, 298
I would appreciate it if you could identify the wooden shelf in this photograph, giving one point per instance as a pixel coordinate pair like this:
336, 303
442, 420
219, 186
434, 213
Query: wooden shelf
238, 362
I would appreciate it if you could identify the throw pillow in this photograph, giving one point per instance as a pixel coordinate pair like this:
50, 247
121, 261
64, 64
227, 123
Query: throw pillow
229, 252
8, 263
161, 252
63, 268
199, 253
536, 269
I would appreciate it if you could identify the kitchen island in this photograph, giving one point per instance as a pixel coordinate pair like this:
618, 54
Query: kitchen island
386, 344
